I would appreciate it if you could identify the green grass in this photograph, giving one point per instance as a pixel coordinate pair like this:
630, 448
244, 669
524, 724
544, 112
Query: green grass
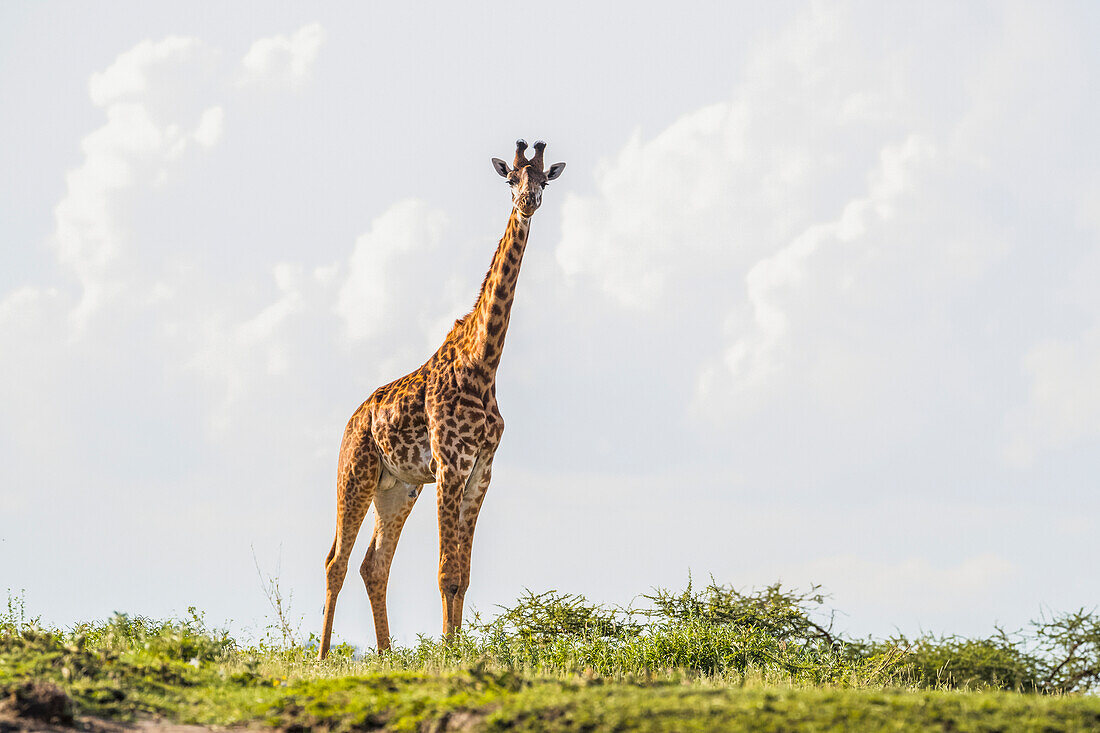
699, 659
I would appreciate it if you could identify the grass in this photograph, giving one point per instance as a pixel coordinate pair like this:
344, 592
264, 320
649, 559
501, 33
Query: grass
699, 659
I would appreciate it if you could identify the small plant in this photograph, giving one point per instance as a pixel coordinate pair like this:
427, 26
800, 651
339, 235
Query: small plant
14, 617
287, 637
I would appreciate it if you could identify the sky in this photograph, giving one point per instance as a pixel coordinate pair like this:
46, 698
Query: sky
814, 300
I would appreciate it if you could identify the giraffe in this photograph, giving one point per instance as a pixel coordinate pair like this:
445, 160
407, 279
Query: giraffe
438, 424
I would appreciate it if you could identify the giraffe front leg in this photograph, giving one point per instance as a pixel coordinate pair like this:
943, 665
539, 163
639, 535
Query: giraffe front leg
449, 489
474, 494
456, 443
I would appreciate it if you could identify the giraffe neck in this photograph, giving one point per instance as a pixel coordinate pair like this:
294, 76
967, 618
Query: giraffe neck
487, 325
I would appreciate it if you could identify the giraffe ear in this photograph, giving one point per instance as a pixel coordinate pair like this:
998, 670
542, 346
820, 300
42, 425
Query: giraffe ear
554, 171
501, 167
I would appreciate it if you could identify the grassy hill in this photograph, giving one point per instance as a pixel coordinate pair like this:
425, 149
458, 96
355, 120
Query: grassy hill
706, 659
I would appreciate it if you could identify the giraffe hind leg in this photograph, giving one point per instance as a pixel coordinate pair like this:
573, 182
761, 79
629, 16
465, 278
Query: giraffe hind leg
357, 480
393, 501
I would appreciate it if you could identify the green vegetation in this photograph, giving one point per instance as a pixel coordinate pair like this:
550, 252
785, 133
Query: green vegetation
710, 658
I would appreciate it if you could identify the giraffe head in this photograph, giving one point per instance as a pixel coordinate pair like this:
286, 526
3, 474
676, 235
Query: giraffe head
527, 177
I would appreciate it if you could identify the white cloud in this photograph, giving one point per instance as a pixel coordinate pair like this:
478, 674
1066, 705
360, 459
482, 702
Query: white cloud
733, 181
129, 148
390, 274
772, 283
209, 130
128, 76
138, 296
283, 59
233, 355
852, 232
148, 112
157, 101
23, 308
1063, 407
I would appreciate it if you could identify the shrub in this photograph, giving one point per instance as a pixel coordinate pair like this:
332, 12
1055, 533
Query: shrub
1068, 650
543, 617
996, 662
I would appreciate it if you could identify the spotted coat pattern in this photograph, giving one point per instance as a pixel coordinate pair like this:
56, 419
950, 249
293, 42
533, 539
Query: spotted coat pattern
439, 424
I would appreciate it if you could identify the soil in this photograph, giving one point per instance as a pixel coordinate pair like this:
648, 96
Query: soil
10, 724
45, 707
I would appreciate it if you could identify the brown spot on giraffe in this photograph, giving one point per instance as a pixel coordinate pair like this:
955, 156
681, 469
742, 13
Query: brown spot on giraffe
438, 424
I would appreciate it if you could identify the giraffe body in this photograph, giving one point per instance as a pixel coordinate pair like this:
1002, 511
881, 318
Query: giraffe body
441, 424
